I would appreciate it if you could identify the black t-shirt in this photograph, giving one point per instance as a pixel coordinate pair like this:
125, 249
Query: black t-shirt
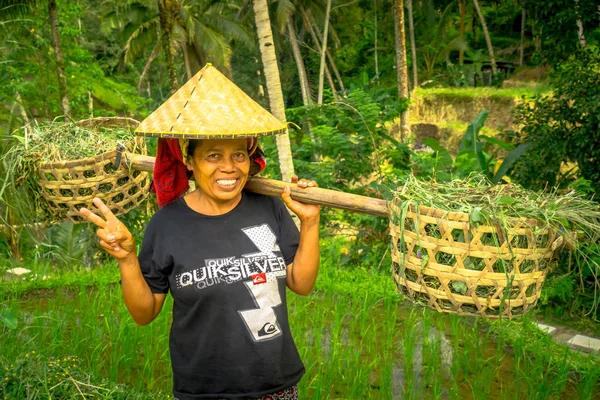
230, 336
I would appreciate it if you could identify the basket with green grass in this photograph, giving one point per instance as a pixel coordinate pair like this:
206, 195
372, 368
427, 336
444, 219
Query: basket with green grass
71, 163
469, 248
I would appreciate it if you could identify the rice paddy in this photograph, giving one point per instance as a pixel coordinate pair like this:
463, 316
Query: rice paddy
356, 336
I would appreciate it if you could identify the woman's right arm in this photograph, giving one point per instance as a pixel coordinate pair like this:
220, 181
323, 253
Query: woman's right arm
142, 303
115, 238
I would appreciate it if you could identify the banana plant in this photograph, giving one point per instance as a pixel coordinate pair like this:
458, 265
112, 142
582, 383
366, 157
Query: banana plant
472, 155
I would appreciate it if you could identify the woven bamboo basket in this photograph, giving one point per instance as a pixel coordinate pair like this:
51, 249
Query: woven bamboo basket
69, 185
443, 261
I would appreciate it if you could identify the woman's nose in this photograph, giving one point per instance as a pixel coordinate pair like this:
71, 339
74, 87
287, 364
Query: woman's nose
227, 164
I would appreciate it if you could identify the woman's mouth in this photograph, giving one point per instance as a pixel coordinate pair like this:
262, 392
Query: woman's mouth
226, 183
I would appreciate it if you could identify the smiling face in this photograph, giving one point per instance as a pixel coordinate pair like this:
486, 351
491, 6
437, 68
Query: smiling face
220, 167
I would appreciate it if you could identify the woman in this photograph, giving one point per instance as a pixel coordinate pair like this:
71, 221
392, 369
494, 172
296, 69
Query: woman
226, 256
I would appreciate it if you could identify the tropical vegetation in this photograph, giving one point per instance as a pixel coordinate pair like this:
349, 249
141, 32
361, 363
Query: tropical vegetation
379, 94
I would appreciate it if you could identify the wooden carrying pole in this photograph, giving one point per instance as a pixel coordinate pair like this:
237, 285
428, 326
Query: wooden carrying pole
271, 187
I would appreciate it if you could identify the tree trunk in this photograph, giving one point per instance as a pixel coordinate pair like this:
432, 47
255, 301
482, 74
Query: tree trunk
60, 59
311, 25
186, 59
13, 236
401, 65
522, 45
446, 51
153, 55
166, 19
375, 40
462, 5
269, 60
323, 50
487, 35
580, 34
413, 47
302, 75
329, 57
304, 83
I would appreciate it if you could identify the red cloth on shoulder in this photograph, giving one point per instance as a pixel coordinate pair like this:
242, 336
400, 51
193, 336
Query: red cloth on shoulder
170, 175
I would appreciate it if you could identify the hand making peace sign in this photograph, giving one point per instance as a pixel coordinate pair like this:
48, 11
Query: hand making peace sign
114, 236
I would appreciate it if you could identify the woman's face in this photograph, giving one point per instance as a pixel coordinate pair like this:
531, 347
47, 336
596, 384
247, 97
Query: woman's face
221, 167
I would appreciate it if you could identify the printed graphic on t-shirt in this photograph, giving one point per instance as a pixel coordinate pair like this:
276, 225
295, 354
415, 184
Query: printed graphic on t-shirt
260, 270
262, 321
233, 269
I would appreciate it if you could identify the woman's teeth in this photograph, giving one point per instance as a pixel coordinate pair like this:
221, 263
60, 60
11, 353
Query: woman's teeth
227, 182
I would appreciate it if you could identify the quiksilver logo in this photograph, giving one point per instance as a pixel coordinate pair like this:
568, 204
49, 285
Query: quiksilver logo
267, 329
257, 279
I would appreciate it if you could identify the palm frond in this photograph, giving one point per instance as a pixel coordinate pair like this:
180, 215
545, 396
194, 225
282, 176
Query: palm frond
214, 45
139, 39
285, 10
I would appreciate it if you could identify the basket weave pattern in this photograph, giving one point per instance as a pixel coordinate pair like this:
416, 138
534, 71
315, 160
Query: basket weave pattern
69, 185
441, 259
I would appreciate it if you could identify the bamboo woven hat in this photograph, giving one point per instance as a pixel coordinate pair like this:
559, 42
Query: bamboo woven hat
210, 106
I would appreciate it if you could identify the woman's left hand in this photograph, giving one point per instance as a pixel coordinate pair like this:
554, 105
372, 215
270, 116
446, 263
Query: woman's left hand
306, 212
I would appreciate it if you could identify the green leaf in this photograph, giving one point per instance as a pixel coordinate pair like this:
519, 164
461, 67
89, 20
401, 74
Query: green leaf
510, 159
476, 216
459, 287
9, 319
444, 157
505, 200
470, 142
424, 261
500, 143
470, 138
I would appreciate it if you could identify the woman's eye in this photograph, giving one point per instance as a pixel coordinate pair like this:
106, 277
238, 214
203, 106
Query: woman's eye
240, 157
213, 156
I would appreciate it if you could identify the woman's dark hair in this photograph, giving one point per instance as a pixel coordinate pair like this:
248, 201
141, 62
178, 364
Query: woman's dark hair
193, 143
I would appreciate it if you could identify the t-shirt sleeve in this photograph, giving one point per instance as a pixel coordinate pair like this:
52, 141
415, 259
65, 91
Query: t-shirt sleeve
289, 236
155, 263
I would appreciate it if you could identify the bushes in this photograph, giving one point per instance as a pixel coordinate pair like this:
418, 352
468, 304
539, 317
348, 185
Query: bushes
562, 127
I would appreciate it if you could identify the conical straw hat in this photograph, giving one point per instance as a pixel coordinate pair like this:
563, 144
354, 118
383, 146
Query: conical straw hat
210, 106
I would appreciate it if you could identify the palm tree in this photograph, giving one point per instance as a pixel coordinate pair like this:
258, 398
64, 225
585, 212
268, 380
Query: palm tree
323, 51
21, 7
432, 22
411, 28
462, 5
302, 74
522, 44
580, 34
166, 16
310, 25
375, 38
329, 56
60, 59
269, 60
201, 30
401, 65
487, 35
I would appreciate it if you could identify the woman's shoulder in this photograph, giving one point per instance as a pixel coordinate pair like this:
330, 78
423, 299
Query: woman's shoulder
168, 212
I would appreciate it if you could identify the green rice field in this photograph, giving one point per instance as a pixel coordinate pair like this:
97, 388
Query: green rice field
357, 338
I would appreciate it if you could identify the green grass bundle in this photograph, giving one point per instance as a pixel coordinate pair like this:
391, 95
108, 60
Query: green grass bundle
484, 202
473, 248
51, 142
22, 154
